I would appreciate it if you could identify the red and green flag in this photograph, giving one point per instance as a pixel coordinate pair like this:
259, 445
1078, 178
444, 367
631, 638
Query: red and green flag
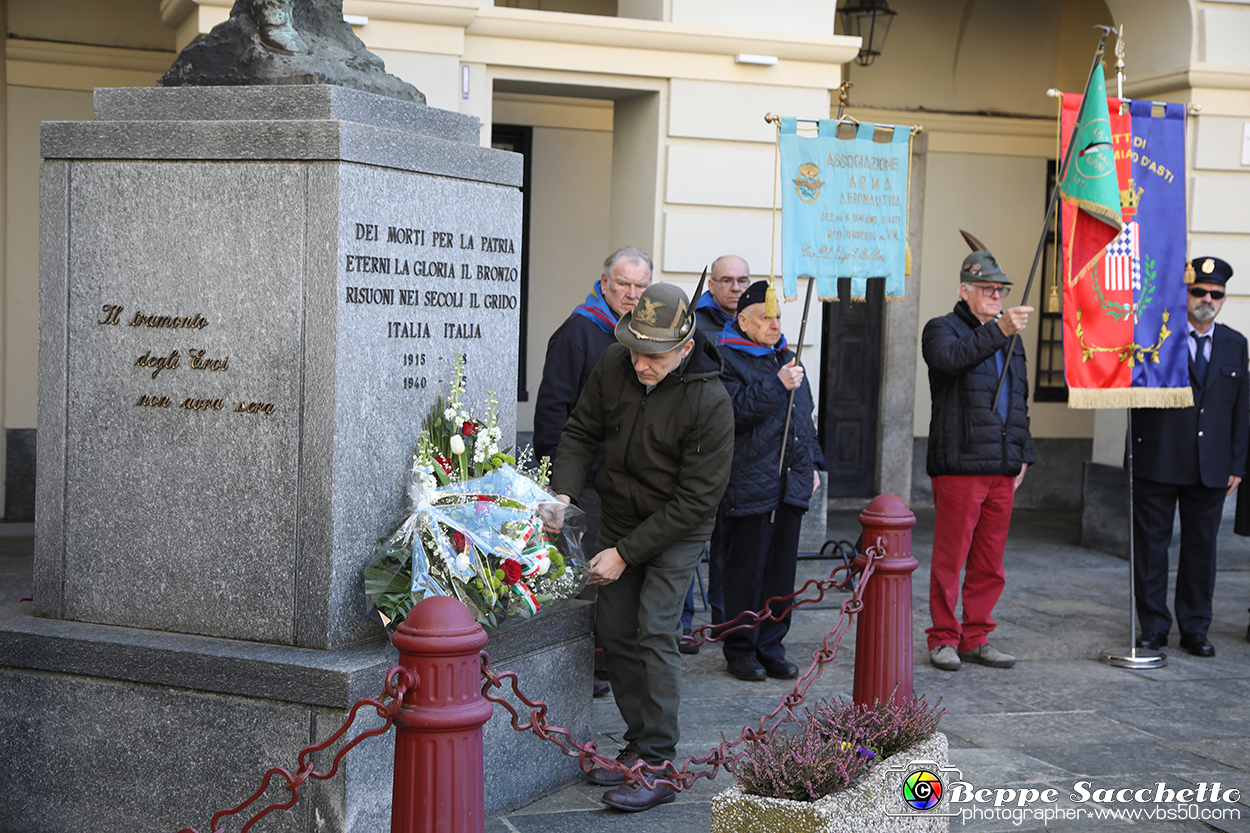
1090, 190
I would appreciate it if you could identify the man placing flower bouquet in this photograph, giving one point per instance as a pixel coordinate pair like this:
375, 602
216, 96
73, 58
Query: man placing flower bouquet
656, 402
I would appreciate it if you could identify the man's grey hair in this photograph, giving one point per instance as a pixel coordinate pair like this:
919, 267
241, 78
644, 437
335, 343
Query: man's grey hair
627, 253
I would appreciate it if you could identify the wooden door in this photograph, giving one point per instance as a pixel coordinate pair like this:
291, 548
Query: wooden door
850, 391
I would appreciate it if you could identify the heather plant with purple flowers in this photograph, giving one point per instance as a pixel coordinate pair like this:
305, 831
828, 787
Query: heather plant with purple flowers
832, 747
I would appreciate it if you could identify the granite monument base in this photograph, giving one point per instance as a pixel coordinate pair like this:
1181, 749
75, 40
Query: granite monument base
121, 729
249, 299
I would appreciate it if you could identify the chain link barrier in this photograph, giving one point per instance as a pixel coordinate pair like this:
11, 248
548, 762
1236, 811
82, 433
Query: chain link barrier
399, 681
695, 768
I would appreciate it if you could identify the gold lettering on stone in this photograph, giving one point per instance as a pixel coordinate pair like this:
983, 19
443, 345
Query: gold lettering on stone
159, 362
255, 408
198, 362
173, 322
202, 404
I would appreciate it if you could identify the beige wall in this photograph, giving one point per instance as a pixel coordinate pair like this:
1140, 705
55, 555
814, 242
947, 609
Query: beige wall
569, 217
26, 108
128, 24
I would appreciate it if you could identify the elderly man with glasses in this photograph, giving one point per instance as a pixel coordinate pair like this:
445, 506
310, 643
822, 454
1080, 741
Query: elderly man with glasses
1195, 456
979, 449
719, 304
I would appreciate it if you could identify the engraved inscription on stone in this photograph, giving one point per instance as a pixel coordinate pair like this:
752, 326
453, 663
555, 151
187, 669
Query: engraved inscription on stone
461, 275
190, 358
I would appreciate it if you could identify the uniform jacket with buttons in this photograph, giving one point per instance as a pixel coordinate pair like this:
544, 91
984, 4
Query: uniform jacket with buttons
1205, 443
966, 433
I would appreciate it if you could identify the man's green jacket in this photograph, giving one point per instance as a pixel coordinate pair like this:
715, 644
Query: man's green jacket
667, 452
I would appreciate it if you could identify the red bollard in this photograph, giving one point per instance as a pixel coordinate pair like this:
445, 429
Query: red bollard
883, 633
439, 779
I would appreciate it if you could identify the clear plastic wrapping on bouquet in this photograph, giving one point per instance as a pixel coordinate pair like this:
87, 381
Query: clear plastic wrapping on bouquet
499, 543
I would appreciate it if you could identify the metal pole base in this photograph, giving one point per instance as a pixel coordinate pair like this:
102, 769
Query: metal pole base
1136, 658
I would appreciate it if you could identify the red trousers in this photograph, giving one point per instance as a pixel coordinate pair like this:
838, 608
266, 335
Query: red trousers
969, 535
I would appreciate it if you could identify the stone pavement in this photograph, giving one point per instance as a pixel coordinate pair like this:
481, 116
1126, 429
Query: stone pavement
1057, 718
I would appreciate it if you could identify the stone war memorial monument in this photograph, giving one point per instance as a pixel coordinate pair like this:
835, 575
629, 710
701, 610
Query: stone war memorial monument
253, 282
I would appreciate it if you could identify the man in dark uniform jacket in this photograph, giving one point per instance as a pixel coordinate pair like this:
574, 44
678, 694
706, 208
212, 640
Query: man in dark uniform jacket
1196, 456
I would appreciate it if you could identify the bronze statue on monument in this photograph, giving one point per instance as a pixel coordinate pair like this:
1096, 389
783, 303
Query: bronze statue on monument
285, 42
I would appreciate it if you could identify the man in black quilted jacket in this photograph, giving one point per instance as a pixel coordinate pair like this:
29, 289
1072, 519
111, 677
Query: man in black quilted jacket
979, 450
762, 510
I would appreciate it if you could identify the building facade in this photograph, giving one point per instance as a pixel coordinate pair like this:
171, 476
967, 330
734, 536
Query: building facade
642, 122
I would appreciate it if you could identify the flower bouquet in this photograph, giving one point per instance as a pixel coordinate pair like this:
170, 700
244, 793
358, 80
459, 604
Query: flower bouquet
479, 527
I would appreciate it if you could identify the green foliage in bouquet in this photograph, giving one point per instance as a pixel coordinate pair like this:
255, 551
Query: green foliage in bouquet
478, 529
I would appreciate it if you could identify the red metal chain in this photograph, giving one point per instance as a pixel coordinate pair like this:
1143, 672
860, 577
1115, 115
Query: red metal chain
693, 768
399, 681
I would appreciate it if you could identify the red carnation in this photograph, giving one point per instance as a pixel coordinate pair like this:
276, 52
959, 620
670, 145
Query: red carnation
469, 429
445, 463
511, 571
459, 541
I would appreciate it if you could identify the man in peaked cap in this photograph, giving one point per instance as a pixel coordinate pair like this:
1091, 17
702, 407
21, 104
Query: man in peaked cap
656, 403
1195, 456
978, 452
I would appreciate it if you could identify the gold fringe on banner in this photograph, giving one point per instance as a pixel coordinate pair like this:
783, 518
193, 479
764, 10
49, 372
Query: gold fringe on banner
1190, 275
1086, 398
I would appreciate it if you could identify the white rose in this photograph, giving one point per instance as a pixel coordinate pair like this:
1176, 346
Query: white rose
457, 444
544, 564
462, 561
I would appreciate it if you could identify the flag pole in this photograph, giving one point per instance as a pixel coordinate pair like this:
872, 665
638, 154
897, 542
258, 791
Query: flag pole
1137, 658
1050, 208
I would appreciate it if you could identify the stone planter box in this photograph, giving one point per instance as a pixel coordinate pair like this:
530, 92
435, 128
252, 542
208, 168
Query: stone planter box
866, 806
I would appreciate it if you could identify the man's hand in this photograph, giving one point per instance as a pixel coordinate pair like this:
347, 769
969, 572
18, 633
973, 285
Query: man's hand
552, 515
1020, 477
1014, 320
815, 480
1233, 480
606, 567
791, 375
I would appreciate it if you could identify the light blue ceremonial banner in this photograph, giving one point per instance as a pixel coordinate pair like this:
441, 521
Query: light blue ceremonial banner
843, 209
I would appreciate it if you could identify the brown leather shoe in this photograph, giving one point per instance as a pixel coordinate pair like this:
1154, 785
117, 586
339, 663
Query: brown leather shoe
610, 777
633, 798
